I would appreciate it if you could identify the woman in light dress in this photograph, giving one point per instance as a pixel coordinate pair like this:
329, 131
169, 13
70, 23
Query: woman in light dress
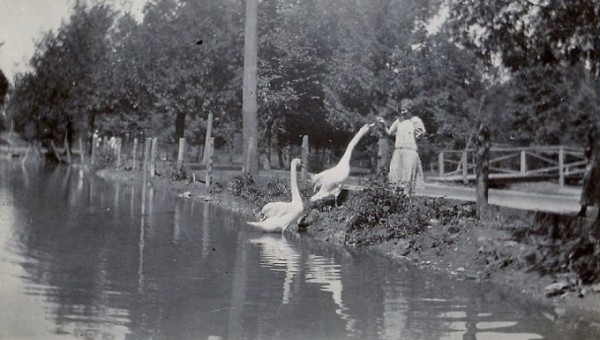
405, 166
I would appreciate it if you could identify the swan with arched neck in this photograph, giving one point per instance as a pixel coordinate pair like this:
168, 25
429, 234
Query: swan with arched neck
280, 215
329, 182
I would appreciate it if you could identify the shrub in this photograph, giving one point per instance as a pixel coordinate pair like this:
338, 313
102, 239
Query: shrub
104, 158
382, 212
176, 173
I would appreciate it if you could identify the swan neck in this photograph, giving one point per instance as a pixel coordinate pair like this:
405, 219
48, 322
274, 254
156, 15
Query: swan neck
294, 183
351, 145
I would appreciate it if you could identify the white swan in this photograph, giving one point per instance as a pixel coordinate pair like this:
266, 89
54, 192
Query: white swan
281, 214
275, 209
330, 181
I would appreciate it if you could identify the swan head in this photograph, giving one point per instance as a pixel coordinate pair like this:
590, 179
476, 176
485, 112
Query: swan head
366, 127
295, 163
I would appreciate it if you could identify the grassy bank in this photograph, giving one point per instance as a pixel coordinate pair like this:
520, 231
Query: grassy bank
552, 258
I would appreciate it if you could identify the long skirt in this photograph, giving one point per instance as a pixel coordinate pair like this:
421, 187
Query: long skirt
406, 170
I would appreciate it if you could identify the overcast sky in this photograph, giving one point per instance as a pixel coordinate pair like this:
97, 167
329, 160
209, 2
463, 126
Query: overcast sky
23, 21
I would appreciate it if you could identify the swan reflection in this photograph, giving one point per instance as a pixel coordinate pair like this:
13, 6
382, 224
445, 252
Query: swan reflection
325, 272
276, 253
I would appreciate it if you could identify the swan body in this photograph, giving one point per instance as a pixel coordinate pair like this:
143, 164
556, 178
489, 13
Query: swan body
279, 215
329, 182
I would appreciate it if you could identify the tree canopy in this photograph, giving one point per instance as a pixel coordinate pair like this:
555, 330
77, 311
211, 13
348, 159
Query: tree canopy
325, 67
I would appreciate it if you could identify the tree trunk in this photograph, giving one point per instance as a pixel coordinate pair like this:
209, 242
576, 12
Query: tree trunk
179, 125
280, 153
91, 126
249, 105
597, 70
268, 137
482, 169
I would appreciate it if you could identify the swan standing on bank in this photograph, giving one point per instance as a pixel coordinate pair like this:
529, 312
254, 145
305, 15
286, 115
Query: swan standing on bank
279, 215
329, 182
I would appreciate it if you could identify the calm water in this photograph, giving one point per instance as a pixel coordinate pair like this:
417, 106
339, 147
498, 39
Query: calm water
84, 258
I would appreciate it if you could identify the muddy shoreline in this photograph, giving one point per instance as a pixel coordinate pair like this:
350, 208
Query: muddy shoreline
470, 250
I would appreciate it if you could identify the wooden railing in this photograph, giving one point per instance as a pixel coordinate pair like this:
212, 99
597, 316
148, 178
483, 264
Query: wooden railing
514, 163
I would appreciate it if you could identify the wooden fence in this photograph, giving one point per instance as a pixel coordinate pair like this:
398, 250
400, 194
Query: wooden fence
514, 164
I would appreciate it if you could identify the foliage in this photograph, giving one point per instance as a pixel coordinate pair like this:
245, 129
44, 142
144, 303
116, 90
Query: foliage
564, 243
176, 173
381, 212
262, 190
325, 68
66, 81
104, 157
3, 87
527, 33
551, 105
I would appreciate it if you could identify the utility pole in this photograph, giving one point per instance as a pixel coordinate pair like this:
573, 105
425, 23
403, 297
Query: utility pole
249, 106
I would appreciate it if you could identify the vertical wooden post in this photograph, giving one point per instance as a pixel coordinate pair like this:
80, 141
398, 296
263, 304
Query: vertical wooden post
209, 164
208, 136
304, 158
94, 146
153, 157
441, 164
482, 169
523, 161
249, 89
134, 156
180, 153
81, 151
119, 145
561, 166
147, 148
465, 167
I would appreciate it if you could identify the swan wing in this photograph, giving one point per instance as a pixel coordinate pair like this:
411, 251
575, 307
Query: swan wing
275, 209
331, 182
279, 223
273, 224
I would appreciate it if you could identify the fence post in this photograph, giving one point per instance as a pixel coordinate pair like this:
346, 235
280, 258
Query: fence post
153, 157
304, 157
147, 147
441, 164
465, 167
81, 152
209, 164
207, 137
523, 161
180, 153
482, 169
119, 143
561, 166
135, 144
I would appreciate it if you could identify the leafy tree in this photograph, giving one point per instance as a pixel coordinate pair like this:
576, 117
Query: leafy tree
180, 62
527, 33
3, 87
550, 47
66, 81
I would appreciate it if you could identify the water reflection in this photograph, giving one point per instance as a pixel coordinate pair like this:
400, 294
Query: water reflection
75, 262
277, 254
